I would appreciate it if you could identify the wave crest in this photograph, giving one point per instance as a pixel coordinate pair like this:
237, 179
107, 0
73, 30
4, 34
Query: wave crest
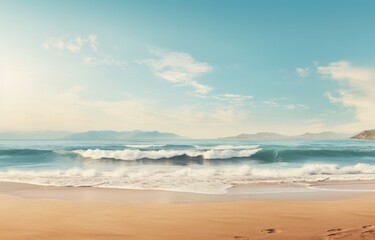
136, 154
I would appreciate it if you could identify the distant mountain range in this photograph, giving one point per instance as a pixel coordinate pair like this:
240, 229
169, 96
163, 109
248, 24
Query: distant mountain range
89, 135
365, 135
155, 135
125, 135
258, 136
276, 136
323, 135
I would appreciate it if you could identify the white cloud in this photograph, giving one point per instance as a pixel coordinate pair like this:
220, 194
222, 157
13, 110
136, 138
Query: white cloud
234, 98
103, 60
294, 106
77, 45
74, 46
303, 72
331, 98
93, 43
357, 77
272, 103
179, 68
280, 103
356, 91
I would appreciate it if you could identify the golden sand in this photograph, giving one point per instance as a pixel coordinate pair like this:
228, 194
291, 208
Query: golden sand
30, 218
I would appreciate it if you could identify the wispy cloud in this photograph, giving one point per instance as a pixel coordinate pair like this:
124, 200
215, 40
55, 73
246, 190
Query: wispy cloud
73, 45
92, 42
86, 49
103, 60
331, 98
303, 72
234, 98
294, 106
357, 90
179, 68
281, 103
272, 103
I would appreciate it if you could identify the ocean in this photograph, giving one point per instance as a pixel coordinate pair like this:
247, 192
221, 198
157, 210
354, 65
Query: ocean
204, 166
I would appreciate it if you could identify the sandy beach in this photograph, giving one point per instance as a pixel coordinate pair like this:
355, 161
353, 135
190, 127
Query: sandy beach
34, 212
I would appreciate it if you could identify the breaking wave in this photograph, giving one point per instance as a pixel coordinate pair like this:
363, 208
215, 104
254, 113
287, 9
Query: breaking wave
135, 154
269, 154
182, 166
194, 178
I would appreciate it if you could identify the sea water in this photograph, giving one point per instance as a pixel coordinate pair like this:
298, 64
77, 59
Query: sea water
210, 166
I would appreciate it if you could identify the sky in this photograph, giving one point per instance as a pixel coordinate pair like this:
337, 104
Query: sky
199, 69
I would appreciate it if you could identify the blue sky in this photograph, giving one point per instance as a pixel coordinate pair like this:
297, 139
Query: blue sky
197, 68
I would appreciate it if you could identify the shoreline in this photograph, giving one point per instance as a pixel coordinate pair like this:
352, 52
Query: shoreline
318, 191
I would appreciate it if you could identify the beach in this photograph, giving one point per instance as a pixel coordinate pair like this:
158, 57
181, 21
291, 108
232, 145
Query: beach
35, 212
187, 190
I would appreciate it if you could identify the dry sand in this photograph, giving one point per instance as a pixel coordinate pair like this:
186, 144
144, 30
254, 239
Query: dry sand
37, 218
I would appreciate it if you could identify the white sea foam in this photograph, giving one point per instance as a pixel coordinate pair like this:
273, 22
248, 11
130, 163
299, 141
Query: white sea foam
134, 154
192, 178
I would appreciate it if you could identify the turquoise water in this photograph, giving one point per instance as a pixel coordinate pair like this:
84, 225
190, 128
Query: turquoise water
190, 166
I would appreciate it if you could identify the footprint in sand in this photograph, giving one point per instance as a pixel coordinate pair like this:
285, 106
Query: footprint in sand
241, 238
336, 233
364, 232
368, 232
270, 230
